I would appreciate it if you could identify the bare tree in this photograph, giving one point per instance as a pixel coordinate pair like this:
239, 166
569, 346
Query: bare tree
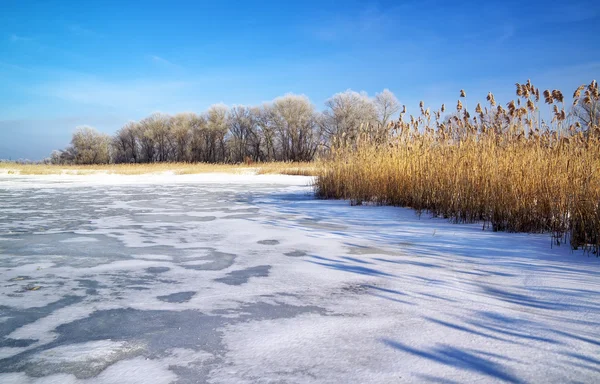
243, 133
55, 157
199, 139
264, 120
387, 105
66, 156
154, 137
294, 119
181, 131
216, 124
125, 144
256, 139
145, 139
587, 112
90, 146
160, 126
347, 112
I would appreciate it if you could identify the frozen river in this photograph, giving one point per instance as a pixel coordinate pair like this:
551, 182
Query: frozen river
249, 279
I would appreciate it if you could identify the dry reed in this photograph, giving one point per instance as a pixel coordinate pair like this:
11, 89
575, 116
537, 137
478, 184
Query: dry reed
285, 168
501, 167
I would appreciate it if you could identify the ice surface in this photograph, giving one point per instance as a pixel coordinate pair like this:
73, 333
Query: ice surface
244, 279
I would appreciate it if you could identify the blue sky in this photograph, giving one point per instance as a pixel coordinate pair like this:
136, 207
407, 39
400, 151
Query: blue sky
69, 63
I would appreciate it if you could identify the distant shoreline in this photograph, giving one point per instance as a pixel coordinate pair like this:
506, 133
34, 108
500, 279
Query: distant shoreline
272, 168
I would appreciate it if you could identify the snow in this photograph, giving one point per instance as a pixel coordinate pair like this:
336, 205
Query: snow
100, 179
245, 278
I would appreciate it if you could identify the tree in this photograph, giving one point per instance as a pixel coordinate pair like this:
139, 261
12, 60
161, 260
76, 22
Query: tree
182, 133
145, 138
90, 146
295, 123
160, 130
199, 139
66, 156
264, 120
256, 138
587, 112
55, 157
216, 124
346, 113
387, 105
125, 144
244, 134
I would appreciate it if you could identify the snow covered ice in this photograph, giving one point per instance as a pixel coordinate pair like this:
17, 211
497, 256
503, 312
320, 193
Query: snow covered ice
249, 279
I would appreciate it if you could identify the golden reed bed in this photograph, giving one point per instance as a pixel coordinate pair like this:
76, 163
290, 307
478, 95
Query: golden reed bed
501, 166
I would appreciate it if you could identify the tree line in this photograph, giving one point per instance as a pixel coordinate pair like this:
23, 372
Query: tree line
287, 129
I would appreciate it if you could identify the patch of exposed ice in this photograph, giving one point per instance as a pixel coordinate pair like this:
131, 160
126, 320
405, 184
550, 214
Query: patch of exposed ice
148, 256
83, 360
184, 357
80, 240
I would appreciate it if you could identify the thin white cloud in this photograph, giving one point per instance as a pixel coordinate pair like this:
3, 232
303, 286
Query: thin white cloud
39, 46
14, 38
386, 25
161, 61
129, 95
367, 23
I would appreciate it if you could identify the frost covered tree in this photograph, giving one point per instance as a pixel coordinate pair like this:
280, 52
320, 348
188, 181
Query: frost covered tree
588, 114
294, 120
216, 125
348, 112
125, 146
181, 133
199, 139
256, 140
55, 157
90, 146
287, 129
387, 105
159, 126
264, 121
244, 135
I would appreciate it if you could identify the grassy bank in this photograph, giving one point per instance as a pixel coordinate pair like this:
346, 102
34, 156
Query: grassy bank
497, 168
284, 168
